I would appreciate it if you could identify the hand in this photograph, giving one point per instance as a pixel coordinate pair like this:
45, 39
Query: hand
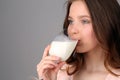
49, 66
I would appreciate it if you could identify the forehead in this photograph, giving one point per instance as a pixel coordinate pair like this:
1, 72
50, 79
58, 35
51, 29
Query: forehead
79, 7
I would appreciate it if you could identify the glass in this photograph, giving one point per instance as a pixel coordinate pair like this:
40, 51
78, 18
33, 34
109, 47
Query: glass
62, 46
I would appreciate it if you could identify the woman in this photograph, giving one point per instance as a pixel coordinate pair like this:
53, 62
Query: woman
96, 26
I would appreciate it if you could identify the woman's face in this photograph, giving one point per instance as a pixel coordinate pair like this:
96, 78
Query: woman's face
80, 27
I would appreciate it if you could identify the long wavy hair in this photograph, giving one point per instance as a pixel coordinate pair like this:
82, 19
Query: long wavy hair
105, 15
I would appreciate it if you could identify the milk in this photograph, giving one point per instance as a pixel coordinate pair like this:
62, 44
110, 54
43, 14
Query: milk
62, 49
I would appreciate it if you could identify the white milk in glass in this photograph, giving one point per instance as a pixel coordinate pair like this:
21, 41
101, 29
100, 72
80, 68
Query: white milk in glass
62, 49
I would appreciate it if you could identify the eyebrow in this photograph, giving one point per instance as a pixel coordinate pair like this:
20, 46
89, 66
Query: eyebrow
82, 16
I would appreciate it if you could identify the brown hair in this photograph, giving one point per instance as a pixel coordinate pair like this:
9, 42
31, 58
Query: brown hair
105, 15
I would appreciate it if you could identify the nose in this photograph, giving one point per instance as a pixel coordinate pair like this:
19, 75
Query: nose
73, 31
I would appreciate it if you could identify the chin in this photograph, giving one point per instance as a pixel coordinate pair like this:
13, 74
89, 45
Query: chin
80, 50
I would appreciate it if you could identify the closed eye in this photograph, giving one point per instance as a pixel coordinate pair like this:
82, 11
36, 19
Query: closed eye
85, 21
70, 21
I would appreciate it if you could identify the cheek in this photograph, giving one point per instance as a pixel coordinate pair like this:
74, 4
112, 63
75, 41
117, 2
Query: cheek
88, 33
89, 41
93, 37
90, 37
70, 32
93, 41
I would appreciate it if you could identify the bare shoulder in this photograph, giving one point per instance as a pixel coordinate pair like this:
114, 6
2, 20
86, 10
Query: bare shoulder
117, 71
113, 77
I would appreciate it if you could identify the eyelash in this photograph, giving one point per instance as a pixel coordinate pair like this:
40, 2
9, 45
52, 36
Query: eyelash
84, 21
70, 21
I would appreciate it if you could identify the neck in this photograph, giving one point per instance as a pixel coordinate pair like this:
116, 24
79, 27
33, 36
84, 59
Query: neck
94, 60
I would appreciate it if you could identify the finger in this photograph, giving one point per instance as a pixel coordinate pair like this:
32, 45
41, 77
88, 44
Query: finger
53, 58
46, 51
49, 60
59, 66
45, 68
49, 63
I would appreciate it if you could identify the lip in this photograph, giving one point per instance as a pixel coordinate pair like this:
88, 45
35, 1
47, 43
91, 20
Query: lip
78, 43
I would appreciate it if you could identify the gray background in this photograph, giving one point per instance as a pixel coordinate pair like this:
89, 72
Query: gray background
26, 27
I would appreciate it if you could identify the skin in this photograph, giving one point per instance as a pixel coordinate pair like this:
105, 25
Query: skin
80, 28
47, 68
